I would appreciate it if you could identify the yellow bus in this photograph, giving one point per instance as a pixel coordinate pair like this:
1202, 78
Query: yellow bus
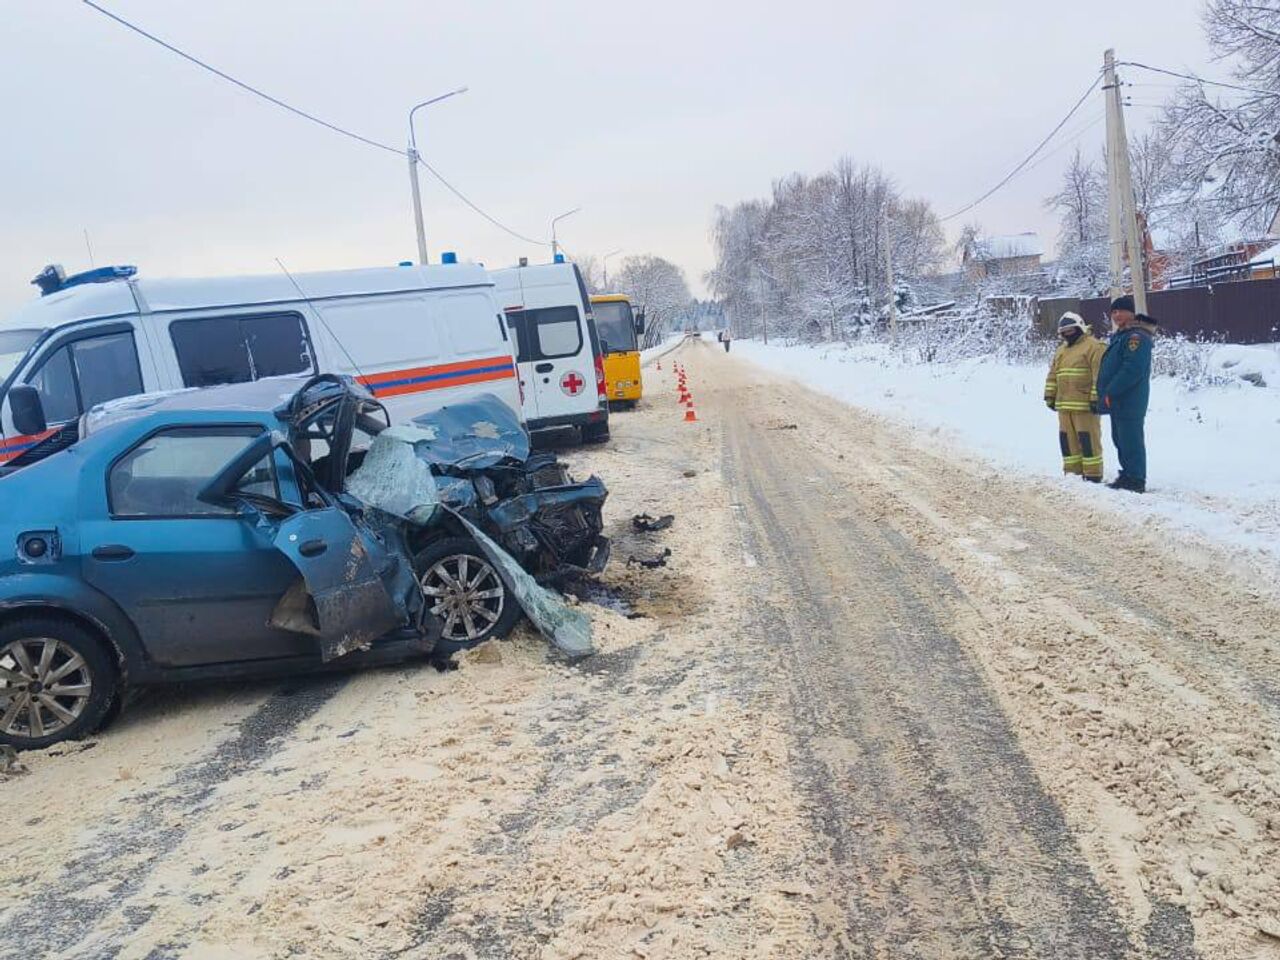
619, 327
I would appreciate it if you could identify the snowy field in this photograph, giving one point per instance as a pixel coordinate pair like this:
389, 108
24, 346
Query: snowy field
1213, 453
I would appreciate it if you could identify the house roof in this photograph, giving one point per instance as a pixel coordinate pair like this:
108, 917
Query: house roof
1266, 256
1007, 247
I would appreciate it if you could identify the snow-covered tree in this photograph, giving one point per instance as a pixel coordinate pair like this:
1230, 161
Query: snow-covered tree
1227, 141
659, 287
1084, 257
810, 260
592, 273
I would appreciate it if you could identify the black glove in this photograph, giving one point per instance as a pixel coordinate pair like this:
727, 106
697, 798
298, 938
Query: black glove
1093, 406
1051, 403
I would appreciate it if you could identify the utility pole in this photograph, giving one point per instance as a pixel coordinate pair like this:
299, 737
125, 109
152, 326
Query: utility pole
604, 262
1122, 213
888, 271
411, 153
555, 244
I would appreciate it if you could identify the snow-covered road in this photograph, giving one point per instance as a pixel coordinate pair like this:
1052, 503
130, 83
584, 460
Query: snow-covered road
1214, 452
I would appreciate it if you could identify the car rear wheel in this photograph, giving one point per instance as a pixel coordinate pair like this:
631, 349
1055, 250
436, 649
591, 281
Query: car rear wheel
465, 593
56, 682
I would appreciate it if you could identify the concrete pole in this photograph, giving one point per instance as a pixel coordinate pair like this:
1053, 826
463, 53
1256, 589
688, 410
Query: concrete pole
417, 204
1121, 204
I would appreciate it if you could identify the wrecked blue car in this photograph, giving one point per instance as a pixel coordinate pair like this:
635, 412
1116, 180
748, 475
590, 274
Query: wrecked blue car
271, 528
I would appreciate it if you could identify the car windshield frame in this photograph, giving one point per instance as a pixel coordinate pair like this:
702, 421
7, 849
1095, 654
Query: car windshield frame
615, 323
15, 346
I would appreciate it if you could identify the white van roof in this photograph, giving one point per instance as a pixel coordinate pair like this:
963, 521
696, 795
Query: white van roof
113, 298
514, 279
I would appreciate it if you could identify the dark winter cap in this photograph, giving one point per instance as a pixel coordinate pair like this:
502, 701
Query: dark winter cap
1124, 303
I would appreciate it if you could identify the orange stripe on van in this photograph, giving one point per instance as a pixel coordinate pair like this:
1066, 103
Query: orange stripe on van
395, 383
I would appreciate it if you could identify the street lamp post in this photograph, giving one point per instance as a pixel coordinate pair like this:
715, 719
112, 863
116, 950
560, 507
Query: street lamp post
555, 246
604, 261
412, 154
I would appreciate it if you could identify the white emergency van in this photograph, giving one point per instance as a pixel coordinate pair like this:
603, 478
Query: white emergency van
418, 337
557, 347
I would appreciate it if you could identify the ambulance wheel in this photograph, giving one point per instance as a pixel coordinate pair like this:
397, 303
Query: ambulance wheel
465, 592
596, 433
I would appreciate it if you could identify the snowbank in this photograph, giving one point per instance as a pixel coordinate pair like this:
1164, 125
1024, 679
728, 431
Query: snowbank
1214, 453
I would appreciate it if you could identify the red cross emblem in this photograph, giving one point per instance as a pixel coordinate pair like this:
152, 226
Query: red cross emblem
572, 384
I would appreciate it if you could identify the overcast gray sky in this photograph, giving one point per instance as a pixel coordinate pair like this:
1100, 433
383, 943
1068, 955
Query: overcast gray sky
644, 114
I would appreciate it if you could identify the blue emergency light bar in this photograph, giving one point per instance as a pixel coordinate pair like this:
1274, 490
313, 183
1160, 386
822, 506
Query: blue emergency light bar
53, 278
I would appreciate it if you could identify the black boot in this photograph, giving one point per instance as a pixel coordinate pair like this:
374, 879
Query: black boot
1119, 483
1094, 479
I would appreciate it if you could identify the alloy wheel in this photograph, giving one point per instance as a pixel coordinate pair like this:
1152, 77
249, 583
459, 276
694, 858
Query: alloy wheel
466, 594
44, 687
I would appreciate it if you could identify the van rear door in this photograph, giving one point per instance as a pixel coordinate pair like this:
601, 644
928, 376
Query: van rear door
524, 348
561, 372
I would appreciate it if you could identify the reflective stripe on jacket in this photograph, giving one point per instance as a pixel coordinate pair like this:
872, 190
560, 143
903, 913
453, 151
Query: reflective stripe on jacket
1072, 383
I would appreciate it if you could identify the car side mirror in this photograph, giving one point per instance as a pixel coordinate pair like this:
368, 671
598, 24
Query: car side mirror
27, 409
639, 323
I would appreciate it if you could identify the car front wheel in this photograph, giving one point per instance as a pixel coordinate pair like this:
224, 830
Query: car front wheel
465, 593
56, 682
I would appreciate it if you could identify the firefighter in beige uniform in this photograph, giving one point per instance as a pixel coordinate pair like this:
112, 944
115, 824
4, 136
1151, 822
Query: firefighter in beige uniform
1072, 390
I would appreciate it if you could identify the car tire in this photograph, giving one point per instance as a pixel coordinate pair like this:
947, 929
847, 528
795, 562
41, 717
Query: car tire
443, 557
596, 433
85, 682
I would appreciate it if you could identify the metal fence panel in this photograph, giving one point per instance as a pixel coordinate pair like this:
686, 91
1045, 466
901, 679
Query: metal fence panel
1243, 312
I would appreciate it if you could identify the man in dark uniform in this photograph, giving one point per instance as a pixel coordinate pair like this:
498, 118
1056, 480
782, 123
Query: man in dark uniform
1124, 390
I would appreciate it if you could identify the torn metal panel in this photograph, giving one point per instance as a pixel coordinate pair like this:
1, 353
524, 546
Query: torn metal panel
348, 572
478, 434
567, 628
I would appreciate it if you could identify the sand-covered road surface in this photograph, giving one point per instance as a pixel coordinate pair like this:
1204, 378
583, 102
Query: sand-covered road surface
881, 702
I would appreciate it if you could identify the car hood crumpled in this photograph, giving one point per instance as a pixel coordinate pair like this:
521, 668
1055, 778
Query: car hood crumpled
396, 477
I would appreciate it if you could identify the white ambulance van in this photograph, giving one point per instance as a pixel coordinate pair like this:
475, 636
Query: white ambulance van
557, 347
418, 337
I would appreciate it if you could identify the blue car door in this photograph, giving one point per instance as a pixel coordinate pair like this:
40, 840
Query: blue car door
199, 581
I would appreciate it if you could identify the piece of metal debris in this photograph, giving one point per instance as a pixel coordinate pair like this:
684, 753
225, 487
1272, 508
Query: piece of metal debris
10, 766
651, 563
643, 523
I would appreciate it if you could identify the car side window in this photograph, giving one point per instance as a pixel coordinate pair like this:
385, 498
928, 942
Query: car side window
559, 331
86, 372
163, 475
217, 350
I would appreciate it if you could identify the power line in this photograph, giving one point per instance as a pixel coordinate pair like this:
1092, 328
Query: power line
240, 83
465, 199
368, 141
1201, 80
1032, 155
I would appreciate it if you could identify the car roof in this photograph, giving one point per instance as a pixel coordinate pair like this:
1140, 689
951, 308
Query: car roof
116, 297
260, 396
